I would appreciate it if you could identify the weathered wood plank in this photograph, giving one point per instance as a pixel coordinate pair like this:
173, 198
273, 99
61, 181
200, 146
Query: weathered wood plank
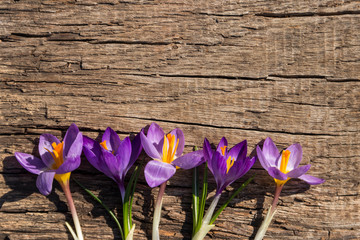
240, 69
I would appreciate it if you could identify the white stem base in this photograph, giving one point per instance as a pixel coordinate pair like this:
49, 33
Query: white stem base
265, 224
130, 235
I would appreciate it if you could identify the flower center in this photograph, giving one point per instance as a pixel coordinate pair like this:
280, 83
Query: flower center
57, 154
169, 148
223, 150
283, 165
284, 161
103, 144
229, 163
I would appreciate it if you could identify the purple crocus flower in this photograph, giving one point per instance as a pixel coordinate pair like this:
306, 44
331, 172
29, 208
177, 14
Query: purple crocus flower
57, 159
112, 156
227, 165
284, 166
166, 150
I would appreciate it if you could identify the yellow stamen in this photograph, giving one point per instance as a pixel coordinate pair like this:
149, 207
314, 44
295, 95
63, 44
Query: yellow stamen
283, 165
229, 163
57, 155
284, 161
103, 144
223, 150
169, 148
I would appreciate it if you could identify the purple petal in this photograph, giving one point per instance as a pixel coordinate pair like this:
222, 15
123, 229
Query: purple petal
149, 148
45, 143
270, 152
123, 155
239, 169
208, 152
276, 173
112, 163
295, 156
112, 140
136, 149
73, 142
218, 168
190, 160
263, 161
297, 172
222, 143
239, 151
44, 182
93, 153
179, 135
155, 136
311, 179
31, 163
157, 172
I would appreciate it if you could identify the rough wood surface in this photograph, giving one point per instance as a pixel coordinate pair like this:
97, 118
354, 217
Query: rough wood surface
241, 69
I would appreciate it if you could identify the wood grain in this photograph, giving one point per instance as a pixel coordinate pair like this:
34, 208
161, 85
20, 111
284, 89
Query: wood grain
241, 69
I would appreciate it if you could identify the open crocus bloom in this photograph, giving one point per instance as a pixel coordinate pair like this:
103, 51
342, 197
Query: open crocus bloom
284, 166
57, 160
227, 165
112, 156
166, 150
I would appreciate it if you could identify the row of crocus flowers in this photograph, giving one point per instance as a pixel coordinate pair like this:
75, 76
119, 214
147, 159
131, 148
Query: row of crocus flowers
114, 157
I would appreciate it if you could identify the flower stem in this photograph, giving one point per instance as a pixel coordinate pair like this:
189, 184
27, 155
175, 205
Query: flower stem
205, 227
66, 189
157, 212
269, 216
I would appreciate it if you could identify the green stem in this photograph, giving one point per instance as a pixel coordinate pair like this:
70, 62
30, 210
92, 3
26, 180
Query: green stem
112, 215
157, 212
195, 197
206, 226
203, 199
231, 198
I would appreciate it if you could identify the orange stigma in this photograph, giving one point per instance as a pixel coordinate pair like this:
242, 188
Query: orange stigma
223, 150
283, 165
169, 148
57, 155
103, 144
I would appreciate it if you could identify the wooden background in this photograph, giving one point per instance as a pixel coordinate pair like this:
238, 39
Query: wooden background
241, 69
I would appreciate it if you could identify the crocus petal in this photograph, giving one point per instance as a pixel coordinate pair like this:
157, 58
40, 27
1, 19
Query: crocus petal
238, 170
276, 173
223, 142
179, 135
270, 152
45, 143
31, 163
155, 134
124, 153
112, 163
73, 143
295, 156
136, 149
93, 153
112, 140
190, 160
157, 172
149, 148
218, 168
297, 172
44, 182
208, 152
263, 161
311, 179
239, 151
